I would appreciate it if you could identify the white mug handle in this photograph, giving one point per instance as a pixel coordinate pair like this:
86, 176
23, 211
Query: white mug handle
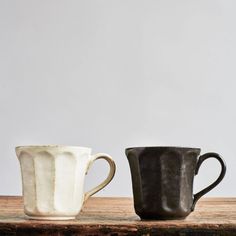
109, 177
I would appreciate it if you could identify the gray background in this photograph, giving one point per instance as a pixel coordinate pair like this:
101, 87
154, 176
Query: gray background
113, 74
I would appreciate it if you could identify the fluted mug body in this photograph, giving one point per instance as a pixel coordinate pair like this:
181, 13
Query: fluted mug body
53, 180
162, 180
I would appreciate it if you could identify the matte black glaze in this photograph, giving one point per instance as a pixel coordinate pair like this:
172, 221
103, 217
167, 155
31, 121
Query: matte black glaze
162, 180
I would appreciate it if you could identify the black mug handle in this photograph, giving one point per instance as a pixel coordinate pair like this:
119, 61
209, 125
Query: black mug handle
201, 159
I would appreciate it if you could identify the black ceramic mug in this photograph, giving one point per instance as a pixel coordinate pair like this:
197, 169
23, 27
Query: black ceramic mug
162, 180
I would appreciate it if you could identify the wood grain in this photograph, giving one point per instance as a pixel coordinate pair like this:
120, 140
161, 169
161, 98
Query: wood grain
115, 216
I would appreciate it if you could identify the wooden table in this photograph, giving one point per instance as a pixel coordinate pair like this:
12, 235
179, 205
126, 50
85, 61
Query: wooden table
115, 216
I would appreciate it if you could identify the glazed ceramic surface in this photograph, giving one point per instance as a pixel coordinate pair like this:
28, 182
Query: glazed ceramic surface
162, 179
53, 179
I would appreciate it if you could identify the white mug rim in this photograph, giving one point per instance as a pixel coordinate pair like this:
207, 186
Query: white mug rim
53, 146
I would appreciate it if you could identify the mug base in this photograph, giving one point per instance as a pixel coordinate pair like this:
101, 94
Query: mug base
50, 217
151, 218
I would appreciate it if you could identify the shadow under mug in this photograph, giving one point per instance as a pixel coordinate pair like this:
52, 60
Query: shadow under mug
162, 180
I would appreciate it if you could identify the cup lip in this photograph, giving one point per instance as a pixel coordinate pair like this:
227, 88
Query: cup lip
50, 146
165, 147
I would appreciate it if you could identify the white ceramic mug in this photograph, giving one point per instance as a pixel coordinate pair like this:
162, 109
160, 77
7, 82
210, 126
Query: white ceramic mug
53, 179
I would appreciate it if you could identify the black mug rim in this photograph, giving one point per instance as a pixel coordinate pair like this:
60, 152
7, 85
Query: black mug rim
165, 147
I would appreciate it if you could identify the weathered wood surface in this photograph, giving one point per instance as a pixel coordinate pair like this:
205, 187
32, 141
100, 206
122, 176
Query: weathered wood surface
115, 216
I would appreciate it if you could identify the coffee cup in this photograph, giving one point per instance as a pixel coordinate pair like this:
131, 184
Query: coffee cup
53, 179
162, 180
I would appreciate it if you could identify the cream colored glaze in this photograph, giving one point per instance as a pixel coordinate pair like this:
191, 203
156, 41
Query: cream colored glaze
53, 179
